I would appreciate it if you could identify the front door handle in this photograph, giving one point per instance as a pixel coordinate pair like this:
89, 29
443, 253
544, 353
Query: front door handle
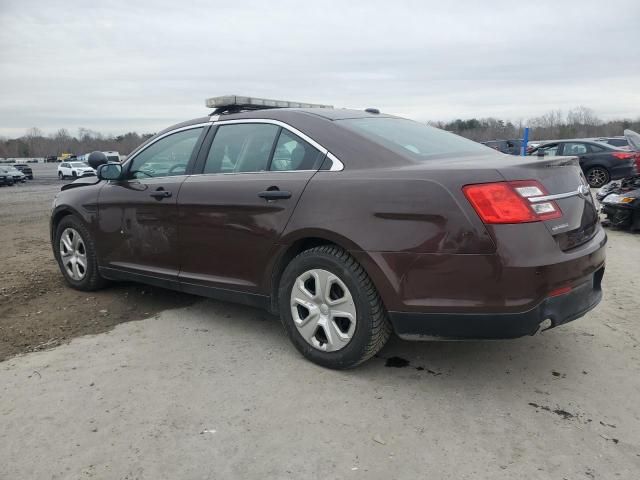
274, 194
160, 194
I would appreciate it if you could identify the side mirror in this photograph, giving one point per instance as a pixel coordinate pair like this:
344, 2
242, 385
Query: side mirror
109, 171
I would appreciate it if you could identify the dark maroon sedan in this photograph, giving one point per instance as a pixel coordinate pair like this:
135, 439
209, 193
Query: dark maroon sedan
347, 224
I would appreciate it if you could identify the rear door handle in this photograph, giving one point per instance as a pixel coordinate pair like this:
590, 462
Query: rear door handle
160, 194
274, 194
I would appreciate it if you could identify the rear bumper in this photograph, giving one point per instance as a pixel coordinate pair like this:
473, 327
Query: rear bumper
616, 172
559, 310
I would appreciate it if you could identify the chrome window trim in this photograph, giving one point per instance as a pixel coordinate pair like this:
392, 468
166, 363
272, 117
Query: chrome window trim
251, 173
337, 165
181, 129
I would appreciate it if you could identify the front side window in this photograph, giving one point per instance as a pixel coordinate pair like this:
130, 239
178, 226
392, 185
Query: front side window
293, 153
550, 150
166, 157
243, 147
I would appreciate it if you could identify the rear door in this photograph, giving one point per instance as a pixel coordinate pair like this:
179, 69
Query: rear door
232, 214
137, 216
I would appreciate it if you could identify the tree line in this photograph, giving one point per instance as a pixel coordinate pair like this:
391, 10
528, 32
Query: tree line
576, 123
580, 122
34, 143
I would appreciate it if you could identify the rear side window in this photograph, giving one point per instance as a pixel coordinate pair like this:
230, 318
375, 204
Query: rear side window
573, 148
417, 140
293, 153
240, 148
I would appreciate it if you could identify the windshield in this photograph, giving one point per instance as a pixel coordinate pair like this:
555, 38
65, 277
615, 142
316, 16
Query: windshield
78, 164
416, 139
113, 159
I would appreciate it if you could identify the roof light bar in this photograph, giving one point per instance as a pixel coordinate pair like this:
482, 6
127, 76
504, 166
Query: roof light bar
254, 103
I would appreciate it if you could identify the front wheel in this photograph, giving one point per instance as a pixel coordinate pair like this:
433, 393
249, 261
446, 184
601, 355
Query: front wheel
597, 177
60, 176
330, 308
76, 255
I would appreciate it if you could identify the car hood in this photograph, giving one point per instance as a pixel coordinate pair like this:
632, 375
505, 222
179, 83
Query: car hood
633, 138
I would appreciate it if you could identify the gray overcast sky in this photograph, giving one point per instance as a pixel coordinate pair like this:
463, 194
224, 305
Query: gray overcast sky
119, 66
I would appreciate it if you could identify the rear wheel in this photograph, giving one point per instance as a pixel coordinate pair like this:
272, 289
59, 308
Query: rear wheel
331, 309
76, 255
597, 177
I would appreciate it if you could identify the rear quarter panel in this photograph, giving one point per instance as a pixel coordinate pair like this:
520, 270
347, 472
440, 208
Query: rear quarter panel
393, 210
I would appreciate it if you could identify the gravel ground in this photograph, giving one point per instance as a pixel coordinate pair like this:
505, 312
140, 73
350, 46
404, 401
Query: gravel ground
37, 309
214, 390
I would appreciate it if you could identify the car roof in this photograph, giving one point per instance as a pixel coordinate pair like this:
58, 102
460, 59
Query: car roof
283, 114
580, 140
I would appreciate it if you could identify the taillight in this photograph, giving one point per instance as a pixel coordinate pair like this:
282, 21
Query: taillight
623, 155
508, 202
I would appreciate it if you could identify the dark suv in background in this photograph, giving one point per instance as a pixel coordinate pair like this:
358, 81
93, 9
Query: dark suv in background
24, 168
600, 162
347, 224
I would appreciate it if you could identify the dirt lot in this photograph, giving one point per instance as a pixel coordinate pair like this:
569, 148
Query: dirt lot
37, 309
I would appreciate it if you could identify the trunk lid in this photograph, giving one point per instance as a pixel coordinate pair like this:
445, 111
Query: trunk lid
560, 175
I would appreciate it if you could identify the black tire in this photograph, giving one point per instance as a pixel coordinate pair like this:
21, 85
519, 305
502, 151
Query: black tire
60, 176
597, 176
74, 174
92, 279
373, 328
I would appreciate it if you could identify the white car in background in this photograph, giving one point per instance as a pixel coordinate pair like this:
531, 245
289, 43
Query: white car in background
74, 169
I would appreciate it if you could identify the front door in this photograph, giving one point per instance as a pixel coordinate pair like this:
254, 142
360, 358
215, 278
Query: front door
232, 215
137, 216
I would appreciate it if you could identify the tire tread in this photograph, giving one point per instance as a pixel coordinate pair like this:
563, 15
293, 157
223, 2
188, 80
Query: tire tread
380, 325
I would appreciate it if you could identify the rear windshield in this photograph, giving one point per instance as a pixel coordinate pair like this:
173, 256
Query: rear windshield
420, 141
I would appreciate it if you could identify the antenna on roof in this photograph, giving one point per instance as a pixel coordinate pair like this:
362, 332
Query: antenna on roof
236, 103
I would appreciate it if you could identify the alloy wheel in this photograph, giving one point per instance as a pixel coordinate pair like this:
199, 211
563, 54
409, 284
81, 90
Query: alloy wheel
323, 310
597, 177
73, 254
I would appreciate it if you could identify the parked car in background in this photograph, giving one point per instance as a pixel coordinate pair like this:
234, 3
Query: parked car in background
620, 142
24, 168
511, 147
74, 170
18, 176
348, 224
112, 156
600, 162
51, 159
620, 202
6, 178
